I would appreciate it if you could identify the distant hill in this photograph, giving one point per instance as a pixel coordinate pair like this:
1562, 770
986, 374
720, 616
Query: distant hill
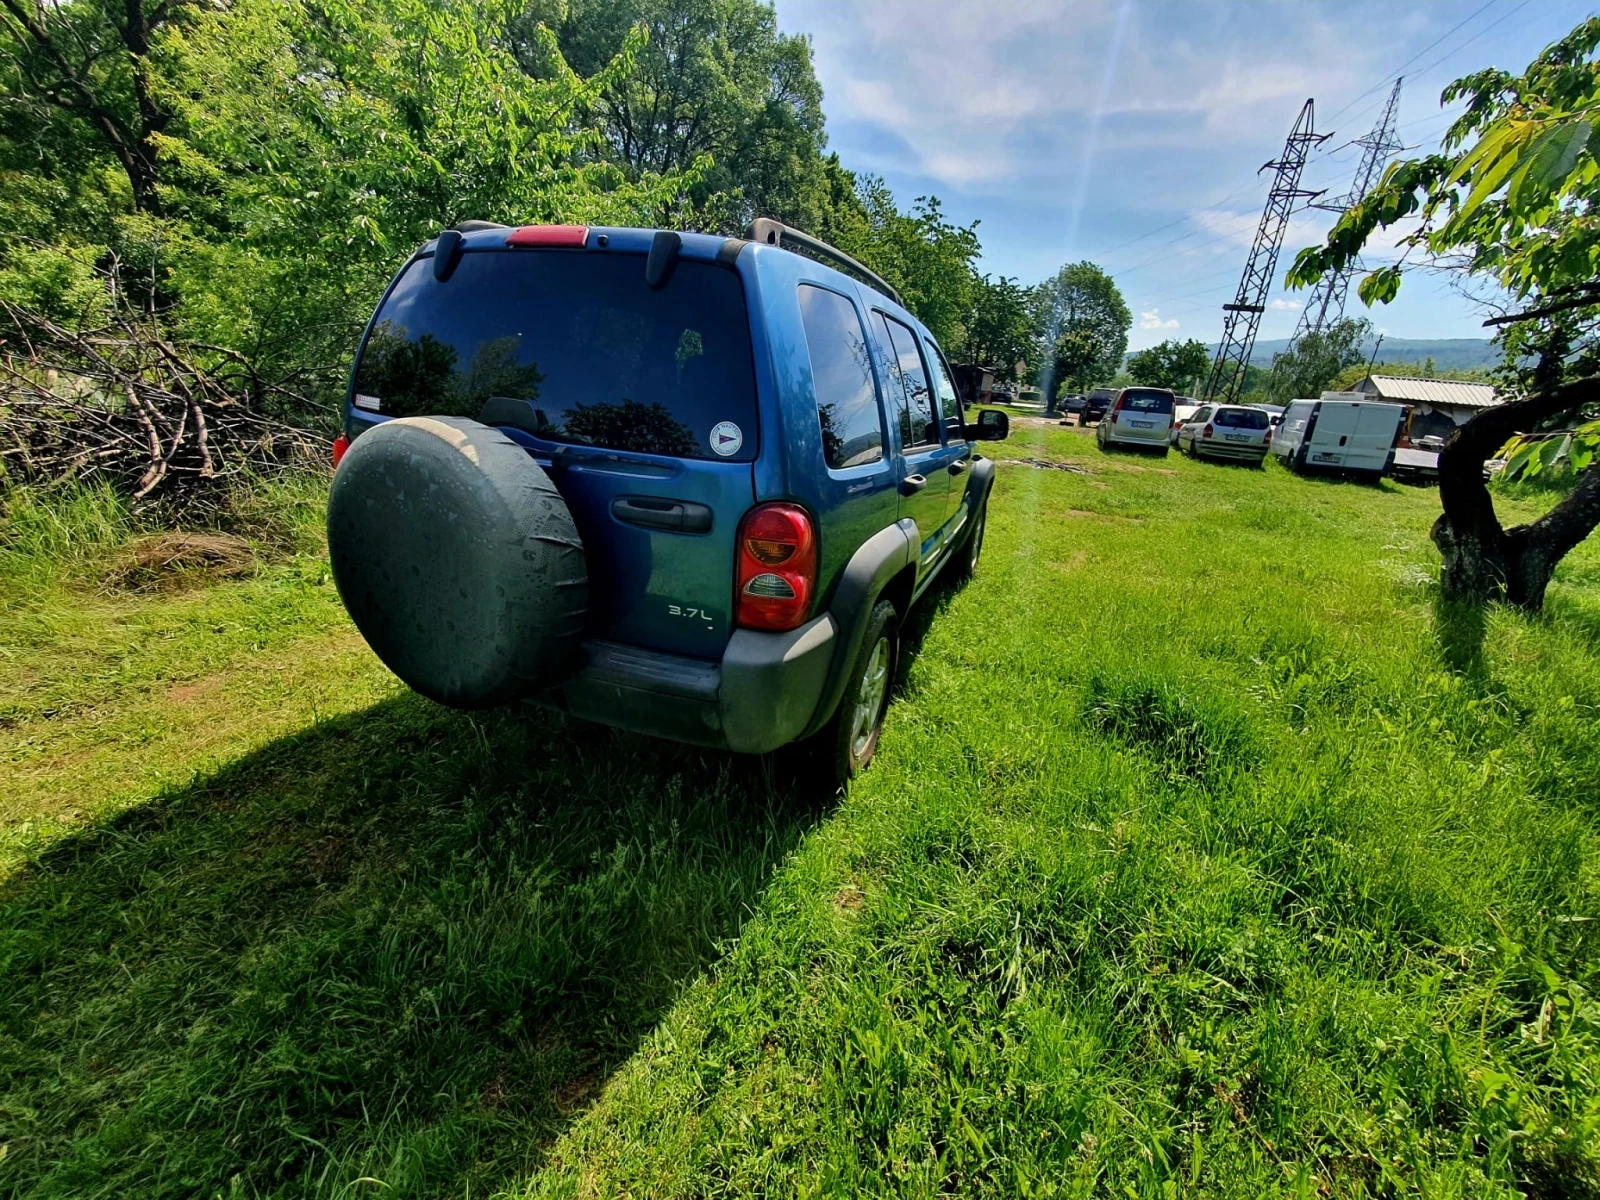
1449, 354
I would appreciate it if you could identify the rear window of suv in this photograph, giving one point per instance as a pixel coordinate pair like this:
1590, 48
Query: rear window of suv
1147, 401
1241, 418
602, 358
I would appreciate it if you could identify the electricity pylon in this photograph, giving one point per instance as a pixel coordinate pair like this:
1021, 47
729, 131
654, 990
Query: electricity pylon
1326, 303
1249, 302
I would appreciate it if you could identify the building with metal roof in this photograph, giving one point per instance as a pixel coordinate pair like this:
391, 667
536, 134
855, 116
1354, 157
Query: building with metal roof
1437, 405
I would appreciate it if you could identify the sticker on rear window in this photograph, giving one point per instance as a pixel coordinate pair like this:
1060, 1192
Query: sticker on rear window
726, 439
371, 403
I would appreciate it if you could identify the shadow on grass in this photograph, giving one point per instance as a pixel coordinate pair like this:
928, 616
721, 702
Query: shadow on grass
1461, 627
405, 945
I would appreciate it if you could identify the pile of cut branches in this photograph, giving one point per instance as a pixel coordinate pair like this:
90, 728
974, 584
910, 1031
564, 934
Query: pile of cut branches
161, 420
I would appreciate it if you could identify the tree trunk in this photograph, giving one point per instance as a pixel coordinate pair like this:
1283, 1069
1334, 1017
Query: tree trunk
1483, 561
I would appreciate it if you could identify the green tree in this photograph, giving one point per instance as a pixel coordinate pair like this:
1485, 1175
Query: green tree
928, 259
999, 328
714, 83
1171, 364
1513, 192
1310, 364
322, 139
1084, 324
80, 86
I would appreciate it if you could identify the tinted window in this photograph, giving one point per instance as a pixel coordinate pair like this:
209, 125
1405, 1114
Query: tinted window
1242, 418
1203, 415
841, 375
602, 359
945, 389
1146, 401
917, 426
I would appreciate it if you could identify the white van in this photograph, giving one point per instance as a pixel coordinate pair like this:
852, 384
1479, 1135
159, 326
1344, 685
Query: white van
1345, 432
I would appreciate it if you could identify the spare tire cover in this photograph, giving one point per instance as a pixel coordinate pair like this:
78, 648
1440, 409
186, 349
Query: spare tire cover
458, 560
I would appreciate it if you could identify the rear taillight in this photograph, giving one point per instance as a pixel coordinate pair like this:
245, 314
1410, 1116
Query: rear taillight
340, 445
574, 236
1207, 432
777, 572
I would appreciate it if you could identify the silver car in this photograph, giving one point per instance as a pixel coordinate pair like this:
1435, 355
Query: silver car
1140, 417
1234, 431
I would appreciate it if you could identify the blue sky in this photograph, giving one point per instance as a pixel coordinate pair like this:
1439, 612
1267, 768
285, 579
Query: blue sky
1129, 132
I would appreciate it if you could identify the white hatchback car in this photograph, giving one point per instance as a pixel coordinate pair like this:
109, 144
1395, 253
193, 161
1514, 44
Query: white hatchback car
1139, 416
1234, 431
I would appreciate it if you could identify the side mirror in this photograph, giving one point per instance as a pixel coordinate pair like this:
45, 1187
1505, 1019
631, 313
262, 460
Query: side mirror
993, 426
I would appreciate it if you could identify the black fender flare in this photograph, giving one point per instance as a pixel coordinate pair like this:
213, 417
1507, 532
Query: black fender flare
982, 482
876, 561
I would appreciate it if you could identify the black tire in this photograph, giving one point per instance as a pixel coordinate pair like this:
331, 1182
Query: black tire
846, 744
967, 565
458, 561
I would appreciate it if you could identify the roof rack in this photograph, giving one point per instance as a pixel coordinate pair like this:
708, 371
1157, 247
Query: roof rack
771, 232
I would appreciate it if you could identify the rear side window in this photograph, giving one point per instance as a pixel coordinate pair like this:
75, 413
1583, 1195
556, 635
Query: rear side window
601, 358
1146, 401
1242, 418
945, 388
917, 425
841, 375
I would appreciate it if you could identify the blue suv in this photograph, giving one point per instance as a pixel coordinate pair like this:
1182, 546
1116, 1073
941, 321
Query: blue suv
682, 484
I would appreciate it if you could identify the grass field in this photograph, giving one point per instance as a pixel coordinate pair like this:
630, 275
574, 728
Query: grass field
1206, 853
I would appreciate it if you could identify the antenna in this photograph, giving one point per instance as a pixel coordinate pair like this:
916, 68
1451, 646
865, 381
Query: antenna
1249, 302
1373, 359
1325, 306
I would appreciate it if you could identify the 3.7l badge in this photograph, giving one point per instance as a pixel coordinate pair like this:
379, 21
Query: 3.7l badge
693, 614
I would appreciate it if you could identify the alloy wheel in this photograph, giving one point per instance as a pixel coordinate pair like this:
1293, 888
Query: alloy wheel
869, 698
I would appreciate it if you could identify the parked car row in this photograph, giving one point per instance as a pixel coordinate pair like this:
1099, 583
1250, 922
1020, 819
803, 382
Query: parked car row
1341, 433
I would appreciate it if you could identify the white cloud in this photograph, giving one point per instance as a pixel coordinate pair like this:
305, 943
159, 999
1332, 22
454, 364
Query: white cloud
1002, 93
1152, 320
1283, 305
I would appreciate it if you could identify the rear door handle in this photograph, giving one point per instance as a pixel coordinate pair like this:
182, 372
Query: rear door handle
958, 466
653, 512
912, 484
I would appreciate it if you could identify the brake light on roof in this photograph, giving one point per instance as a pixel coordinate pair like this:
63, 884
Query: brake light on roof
777, 567
340, 445
571, 236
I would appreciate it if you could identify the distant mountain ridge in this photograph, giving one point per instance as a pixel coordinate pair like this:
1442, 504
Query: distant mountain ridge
1448, 354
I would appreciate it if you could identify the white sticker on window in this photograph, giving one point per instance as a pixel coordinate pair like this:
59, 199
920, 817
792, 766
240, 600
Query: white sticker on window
726, 438
371, 403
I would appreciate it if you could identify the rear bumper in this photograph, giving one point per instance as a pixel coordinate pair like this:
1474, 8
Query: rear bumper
1216, 449
760, 696
1156, 439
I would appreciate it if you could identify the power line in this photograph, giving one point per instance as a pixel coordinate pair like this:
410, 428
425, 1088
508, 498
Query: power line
1238, 191
1393, 75
1159, 257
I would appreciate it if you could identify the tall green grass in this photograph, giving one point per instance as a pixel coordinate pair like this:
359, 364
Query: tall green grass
45, 535
1206, 853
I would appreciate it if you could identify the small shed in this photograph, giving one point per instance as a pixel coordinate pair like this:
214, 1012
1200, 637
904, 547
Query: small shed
1437, 406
